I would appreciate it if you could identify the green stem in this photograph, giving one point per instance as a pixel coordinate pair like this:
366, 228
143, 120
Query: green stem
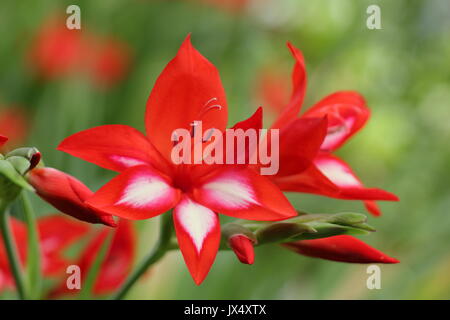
88, 285
34, 256
11, 251
161, 247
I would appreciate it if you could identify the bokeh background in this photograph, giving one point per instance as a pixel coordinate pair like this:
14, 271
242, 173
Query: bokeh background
403, 70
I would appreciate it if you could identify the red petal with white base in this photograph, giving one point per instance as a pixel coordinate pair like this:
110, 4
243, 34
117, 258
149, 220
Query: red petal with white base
188, 89
347, 113
340, 248
138, 193
298, 89
244, 194
198, 234
351, 187
114, 147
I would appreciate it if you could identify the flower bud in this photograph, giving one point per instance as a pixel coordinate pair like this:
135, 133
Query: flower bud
282, 232
67, 194
30, 154
3, 140
11, 182
341, 248
243, 248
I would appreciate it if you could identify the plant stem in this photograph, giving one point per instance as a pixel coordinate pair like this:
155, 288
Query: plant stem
161, 247
94, 269
34, 253
11, 251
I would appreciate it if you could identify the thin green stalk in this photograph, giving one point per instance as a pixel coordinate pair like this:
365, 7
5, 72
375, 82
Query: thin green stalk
34, 256
11, 251
160, 249
88, 284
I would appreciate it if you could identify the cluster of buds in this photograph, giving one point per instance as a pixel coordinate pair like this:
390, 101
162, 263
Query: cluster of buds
325, 236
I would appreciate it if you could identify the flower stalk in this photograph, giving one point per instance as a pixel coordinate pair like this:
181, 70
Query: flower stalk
11, 251
159, 250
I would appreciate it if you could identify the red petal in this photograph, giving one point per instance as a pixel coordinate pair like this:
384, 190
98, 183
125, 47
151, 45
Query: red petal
373, 208
243, 248
298, 90
299, 144
67, 194
118, 261
188, 89
310, 180
347, 113
114, 147
244, 194
350, 186
198, 234
139, 192
342, 248
57, 233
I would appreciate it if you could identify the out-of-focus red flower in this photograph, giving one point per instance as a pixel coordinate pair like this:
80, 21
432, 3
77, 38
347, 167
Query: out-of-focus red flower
58, 51
13, 124
232, 5
342, 248
272, 88
56, 233
67, 194
117, 263
150, 183
303, 141
110, 61
242, 246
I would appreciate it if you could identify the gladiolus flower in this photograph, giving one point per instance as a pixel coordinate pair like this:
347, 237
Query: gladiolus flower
346, 113
56, 233
342, 248
117, 263
243, 248
67, 194
149, 183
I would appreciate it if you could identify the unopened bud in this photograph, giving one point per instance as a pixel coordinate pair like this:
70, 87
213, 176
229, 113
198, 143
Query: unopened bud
243, 248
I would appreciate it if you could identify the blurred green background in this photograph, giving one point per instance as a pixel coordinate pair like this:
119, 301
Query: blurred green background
403, 70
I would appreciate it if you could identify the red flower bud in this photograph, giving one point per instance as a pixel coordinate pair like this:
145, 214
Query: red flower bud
243, 248
342, 248
67, 194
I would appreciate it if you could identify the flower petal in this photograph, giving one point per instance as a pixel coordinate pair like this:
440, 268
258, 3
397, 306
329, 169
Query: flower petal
198, 234
56, 234
347, 113
342, 248
244, 194
298, 89
299, 144
138, 193
351, 187
188, 89
114, 147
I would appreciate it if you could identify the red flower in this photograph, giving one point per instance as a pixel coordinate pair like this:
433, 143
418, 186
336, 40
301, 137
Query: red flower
342, 248
56, 233
67, 194
58, 51
13, 124
149, 183
321, 172
116, 265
